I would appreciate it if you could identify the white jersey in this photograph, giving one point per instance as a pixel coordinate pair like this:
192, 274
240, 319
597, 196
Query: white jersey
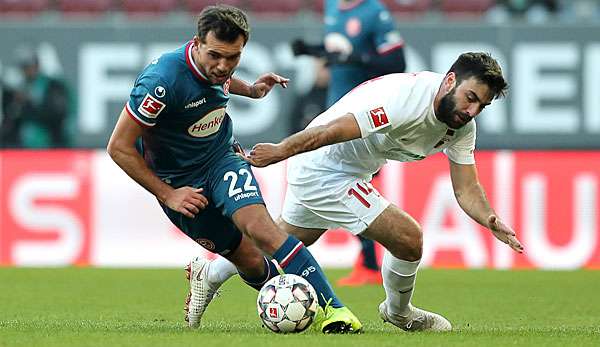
396, 117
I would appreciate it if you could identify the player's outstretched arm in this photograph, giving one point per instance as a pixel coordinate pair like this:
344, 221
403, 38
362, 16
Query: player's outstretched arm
341, 129
471, 198
121, 148
261, 87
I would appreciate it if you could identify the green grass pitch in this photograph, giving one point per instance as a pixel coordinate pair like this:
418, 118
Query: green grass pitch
115, 307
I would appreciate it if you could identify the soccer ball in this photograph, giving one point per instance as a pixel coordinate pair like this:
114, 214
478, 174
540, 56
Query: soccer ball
287, 304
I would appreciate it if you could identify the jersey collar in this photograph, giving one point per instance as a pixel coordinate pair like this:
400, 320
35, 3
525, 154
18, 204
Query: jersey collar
348, 6
191, 64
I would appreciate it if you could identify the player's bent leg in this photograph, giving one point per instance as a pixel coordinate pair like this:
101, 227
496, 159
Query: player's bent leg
308, 236
207, 276
253, 267
401, 235
398, 232
294, 258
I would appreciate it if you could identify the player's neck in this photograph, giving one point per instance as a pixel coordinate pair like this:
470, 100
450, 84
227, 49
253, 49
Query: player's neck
437, 100
346, 4
196, 61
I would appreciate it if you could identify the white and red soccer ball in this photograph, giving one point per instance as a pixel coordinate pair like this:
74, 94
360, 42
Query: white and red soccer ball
287, 304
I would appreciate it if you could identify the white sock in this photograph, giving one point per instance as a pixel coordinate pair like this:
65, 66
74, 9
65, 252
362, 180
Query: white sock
220, 270
398, 281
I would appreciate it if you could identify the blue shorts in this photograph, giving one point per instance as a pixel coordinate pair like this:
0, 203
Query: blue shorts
228, 185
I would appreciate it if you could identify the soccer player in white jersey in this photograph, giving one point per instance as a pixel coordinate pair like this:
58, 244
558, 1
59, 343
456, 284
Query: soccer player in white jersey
403, 117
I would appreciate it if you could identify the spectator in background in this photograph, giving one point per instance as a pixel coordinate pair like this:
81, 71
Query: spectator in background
36, 107
532, 11
361, 42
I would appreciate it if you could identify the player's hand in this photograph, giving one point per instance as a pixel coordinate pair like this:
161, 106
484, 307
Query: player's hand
264, 154
265, 83
237, 148
187, 201
504, 233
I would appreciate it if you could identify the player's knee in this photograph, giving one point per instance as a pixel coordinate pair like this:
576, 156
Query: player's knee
415, 246
408, 245
264, 234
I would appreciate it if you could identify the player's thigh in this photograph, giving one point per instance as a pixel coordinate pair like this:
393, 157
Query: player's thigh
235, 191
336, 202
233, 185
255, 221
398, 232
308, 236
209, 228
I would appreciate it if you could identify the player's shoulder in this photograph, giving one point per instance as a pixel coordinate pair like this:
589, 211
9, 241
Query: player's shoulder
167, 67
407, 79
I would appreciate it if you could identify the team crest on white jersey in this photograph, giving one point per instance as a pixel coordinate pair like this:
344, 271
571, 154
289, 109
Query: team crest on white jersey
151, 107
208, 124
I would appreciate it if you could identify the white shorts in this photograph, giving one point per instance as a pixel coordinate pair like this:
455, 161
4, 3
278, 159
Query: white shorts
351, 203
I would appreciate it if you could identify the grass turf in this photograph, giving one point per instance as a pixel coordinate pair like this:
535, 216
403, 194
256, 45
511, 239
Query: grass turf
115, 307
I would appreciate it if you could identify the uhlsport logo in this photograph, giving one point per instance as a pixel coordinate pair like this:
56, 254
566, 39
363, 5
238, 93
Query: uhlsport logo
208, 124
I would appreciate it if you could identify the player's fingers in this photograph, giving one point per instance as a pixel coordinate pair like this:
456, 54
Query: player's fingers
192, 208
199, 201
249, 159
185, 212
515, 244
245, 158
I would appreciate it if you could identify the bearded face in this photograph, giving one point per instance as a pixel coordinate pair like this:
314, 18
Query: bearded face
448, 113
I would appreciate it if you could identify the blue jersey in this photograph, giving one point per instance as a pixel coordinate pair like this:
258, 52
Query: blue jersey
186, 127
364, 27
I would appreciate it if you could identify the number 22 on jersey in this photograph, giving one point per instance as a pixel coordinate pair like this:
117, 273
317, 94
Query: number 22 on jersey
232, 177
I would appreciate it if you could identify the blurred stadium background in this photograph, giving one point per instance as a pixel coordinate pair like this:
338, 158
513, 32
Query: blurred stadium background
539, 150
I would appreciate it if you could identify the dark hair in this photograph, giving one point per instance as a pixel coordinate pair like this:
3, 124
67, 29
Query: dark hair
484, 68
226, 22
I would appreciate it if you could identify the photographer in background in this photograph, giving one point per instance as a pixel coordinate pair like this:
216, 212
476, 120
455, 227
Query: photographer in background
35, 106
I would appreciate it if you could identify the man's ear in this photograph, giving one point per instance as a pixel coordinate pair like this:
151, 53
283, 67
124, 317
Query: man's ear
449, 82
197, 41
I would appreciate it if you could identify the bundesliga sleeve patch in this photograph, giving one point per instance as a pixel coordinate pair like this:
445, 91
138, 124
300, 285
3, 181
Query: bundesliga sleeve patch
151, 107
379, 118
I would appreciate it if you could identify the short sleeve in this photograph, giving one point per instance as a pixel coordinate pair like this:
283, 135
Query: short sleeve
148, 99
376, 104
462, 151
386, 36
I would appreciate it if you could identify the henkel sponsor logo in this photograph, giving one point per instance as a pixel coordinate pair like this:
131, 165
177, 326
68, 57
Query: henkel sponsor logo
45, 208
209, 124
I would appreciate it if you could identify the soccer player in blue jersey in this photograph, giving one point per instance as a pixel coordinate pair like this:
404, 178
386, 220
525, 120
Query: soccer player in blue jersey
178, 109
361, 42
